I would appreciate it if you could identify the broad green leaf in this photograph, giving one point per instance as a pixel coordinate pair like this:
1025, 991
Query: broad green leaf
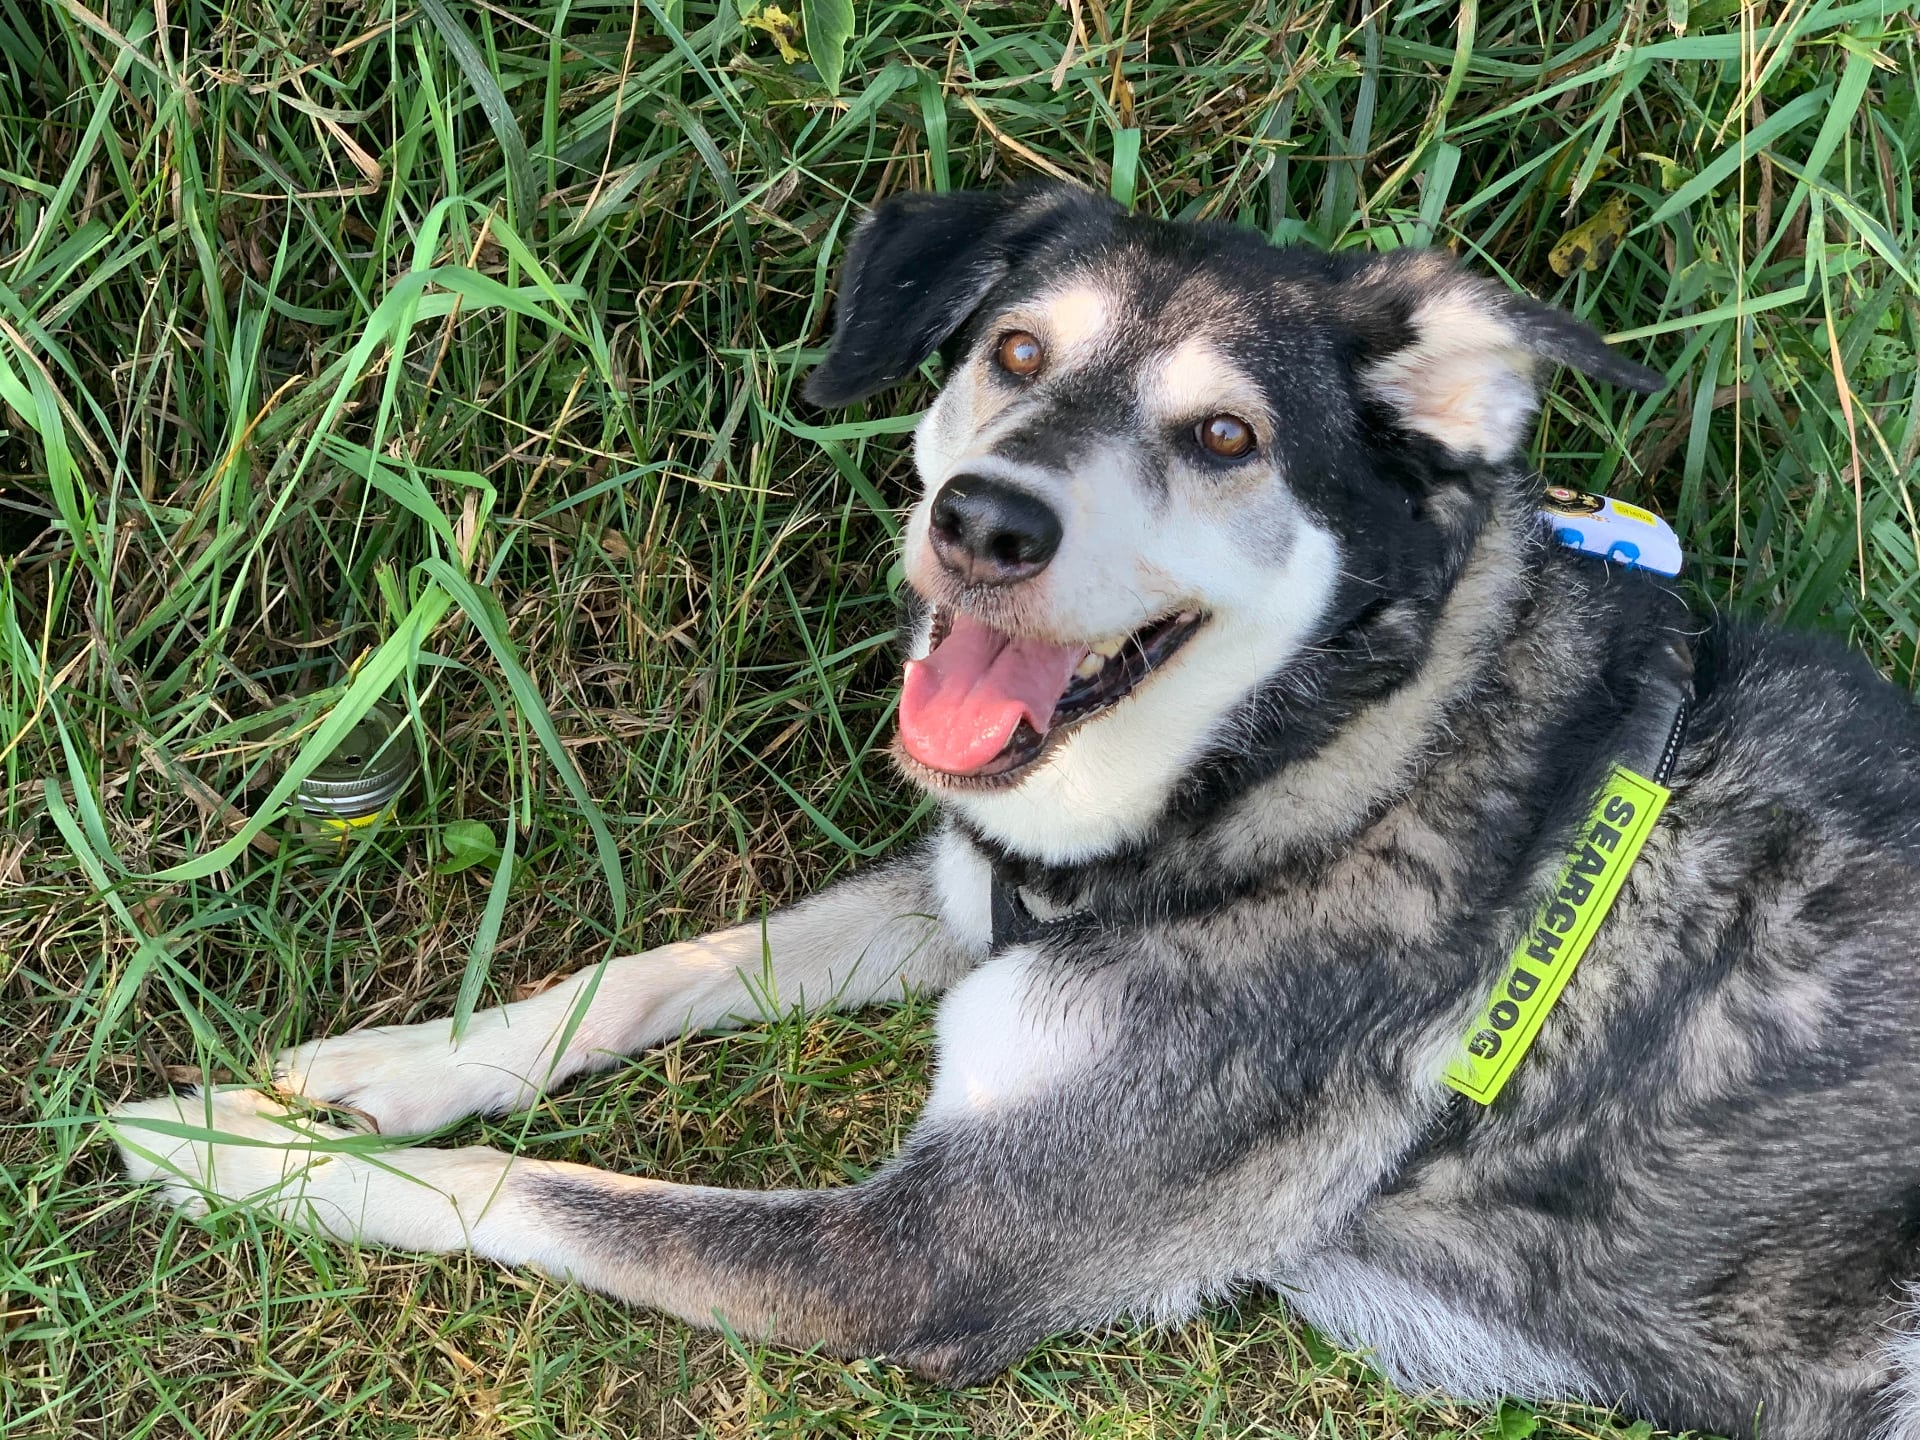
1517, 1421
1126, 166
467, 843
829, 26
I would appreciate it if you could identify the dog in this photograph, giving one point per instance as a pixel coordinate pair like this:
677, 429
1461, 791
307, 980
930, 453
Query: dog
1278, 746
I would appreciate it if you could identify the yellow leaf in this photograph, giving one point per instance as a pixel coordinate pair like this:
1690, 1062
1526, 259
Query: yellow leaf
1672, 173
1591, 243
784, 28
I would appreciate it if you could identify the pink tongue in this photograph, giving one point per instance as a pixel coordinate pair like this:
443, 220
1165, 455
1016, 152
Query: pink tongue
959, 706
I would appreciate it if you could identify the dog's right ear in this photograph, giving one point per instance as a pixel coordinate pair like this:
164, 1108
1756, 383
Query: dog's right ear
919, 266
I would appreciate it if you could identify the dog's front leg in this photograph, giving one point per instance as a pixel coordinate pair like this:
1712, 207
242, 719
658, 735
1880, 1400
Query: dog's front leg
944, 1261
919, 921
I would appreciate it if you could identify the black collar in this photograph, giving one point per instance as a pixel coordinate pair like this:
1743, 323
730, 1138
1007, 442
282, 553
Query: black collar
1650, 735
1013, 922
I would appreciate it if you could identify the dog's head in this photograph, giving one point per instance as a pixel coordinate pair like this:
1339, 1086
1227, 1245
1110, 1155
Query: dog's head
1170, 463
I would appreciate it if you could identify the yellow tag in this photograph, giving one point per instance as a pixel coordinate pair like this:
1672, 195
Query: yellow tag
1596, 865
1634, 512
342, 825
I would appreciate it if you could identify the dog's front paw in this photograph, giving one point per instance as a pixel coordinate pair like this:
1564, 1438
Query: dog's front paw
412, 1079
214, 1145
240, 1145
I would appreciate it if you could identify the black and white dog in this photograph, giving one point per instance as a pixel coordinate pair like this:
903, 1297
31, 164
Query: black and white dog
1274, 737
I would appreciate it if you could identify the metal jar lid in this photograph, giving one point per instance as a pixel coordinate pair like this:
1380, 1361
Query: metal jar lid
366, 770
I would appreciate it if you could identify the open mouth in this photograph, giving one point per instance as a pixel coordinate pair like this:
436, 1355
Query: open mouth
983, 707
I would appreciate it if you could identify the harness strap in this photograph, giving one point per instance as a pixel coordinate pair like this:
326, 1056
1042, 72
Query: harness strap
1013, 922
1650, 737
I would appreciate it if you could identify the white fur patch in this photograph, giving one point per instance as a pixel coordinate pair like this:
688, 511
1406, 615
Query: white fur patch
1421, 1342
1000, 1040
942, 435
1195, 380
413, 1079
1902, 1353
243, 1146
1465, 381
1073, 323
963, 890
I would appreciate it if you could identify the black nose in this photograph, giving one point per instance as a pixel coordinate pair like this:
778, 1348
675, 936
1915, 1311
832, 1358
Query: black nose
988, 533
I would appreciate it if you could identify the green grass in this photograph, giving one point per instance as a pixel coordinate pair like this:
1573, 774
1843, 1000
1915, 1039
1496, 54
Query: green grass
451, 349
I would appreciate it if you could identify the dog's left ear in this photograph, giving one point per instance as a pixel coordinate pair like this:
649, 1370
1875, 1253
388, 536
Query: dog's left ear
919, 266
1456, 357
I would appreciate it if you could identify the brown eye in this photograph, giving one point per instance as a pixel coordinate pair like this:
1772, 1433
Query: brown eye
1020, 354
1227, 436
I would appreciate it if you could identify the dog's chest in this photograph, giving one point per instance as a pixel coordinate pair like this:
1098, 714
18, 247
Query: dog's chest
1015, 1028
1009, 1033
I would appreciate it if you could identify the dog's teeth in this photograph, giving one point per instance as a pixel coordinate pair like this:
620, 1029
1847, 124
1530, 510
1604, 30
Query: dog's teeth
1107, 649
1090, 665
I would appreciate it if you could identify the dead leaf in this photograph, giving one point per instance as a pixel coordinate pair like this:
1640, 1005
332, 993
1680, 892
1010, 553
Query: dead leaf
1591, 243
